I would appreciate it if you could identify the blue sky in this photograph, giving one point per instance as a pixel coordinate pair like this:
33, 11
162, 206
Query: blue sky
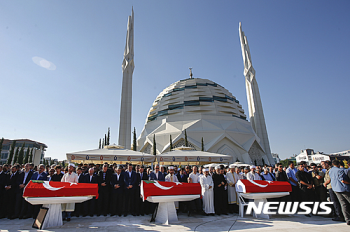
300, 51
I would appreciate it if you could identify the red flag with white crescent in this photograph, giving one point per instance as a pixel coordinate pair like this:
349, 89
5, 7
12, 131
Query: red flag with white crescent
161, 188
38, 188
262, 186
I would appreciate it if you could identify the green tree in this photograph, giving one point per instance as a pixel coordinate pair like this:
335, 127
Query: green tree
31, 155
134, 140
237, 160
103, 143
26, 158
108, 136
21, 154
63, 164
202, 144
105, 140
12, 151
1, 142
171, 143
15, 159
186, 141
99, 144
154, 145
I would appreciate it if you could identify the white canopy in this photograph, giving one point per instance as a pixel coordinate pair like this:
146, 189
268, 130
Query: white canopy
240, 164
193, 156
110, 154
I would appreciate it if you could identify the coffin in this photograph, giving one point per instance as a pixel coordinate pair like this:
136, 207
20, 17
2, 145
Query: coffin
160, 188
262, 186
39, 189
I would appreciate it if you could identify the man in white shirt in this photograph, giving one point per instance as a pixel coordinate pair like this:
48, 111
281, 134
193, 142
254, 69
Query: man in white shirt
193, 177
70, 177
194, 205
252, 175
171, 177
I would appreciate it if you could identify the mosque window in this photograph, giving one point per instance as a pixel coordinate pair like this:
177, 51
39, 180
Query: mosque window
191, 87
163, 112
167, 95
222, 99
192, 103
201, 84
206, 99
178, 89
177, 106
214, 84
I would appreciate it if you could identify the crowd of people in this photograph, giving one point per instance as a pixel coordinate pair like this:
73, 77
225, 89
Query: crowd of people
119, 187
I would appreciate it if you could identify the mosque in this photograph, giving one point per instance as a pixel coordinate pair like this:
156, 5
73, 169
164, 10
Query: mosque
200, 109
206, 110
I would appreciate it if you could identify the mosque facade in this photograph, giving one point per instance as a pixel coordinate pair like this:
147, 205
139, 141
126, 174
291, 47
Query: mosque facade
203, 110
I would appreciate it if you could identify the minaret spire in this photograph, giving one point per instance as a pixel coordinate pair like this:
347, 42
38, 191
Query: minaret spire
126, 98
256, 113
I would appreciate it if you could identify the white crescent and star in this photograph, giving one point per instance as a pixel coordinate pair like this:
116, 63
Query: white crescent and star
47, 185
260, 185
156, 183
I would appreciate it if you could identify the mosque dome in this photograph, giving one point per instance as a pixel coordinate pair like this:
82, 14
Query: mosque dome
207, 112
195, 96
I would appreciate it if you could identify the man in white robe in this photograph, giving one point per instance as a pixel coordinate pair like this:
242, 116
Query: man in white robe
231, 181
70, 177
252, 175
207, 185
171, 177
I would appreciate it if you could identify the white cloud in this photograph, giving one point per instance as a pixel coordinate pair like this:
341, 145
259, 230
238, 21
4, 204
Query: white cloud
44, 63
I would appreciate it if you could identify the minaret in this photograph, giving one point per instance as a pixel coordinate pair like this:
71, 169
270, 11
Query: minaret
256, 113
126, 99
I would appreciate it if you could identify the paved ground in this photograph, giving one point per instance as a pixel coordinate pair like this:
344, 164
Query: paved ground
295, 223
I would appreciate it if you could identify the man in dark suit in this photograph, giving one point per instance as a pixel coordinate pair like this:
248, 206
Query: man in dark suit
89, 206
58, 175
130, 180
117, 185
3, 179
104, 179
81, 179
11, 187
157, 175
22, 209
181, 176
39, 175
140, 204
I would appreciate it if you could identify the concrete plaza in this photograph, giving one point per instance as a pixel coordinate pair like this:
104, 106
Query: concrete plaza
230, 222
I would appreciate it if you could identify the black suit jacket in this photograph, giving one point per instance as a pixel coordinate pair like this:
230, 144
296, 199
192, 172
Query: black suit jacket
3, 179
114, 181
131, 180
183, 179
81, 178
57, 177
107, 179
93, 179
12, 181
21, 179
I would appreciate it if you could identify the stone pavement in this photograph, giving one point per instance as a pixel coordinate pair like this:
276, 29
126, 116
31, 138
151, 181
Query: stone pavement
294, 223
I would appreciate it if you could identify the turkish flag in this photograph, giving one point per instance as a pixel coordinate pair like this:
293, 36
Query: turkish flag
262, 186
161, 188
38, 188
